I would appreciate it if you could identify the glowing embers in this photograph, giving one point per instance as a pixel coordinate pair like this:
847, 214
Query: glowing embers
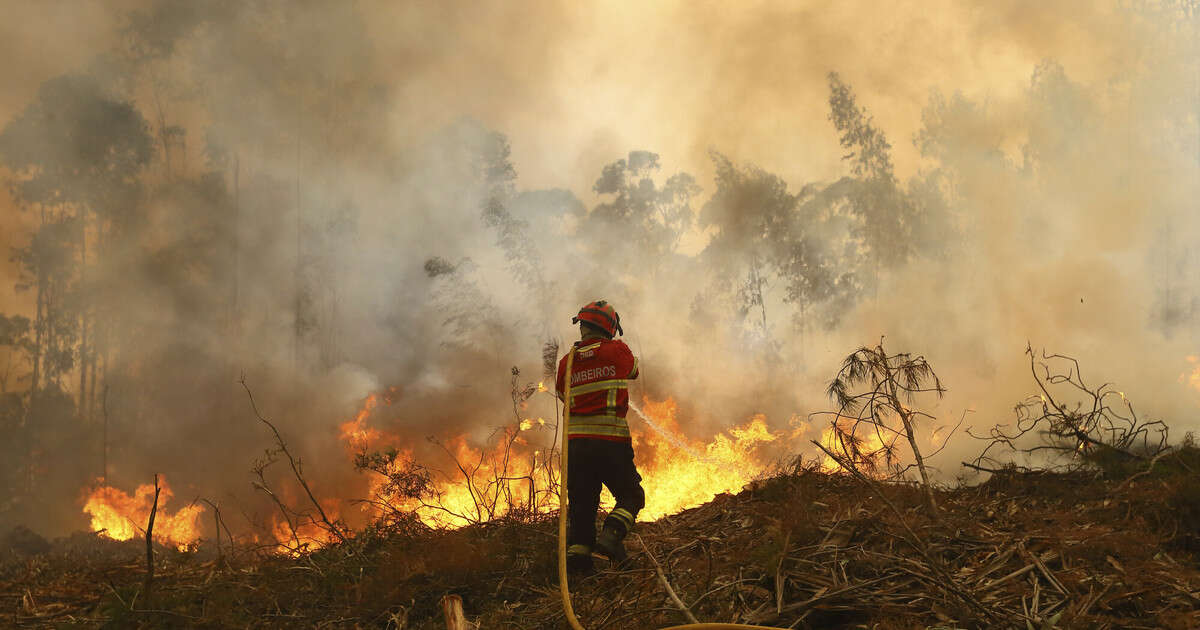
119, 516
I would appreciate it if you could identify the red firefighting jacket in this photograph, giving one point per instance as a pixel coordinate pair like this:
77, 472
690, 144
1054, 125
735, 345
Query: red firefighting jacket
600, 376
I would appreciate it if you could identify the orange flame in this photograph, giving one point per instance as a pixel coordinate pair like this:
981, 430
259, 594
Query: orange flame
473, 484
308, 534
119, 516
511, 472
468, 484
870, 445
354, 432
482, 484
679, 472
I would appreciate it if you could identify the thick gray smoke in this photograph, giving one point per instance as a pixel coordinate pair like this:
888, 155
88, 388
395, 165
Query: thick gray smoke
333, 199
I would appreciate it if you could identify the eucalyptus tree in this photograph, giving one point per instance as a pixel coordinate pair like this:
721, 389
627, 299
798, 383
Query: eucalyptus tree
77, 152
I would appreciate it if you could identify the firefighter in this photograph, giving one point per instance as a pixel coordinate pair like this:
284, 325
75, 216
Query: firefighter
601, 451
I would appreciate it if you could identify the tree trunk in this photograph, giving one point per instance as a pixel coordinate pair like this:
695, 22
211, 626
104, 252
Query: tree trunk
911, 434
104, 435
38, 325
150, 545
297, 272
91, 404
81, 216
912, 441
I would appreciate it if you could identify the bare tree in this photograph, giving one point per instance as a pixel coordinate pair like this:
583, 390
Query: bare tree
873, 390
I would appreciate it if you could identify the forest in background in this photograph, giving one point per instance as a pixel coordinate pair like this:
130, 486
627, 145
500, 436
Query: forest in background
221, 196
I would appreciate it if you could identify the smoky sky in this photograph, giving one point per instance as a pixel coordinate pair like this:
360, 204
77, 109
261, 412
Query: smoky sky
576, 85
355, 130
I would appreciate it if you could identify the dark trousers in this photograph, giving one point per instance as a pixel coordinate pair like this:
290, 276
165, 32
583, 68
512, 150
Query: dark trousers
591, 463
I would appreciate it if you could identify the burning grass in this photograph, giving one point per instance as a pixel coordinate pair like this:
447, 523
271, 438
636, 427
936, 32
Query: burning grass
803, 548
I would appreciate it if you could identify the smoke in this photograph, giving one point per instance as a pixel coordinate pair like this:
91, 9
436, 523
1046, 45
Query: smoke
351, 197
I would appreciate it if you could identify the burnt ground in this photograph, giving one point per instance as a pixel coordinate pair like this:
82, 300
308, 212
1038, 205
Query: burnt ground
802, 549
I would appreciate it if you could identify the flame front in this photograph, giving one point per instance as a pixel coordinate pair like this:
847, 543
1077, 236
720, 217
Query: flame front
517, 470
679, 473
304, 533
472, 484
119, 516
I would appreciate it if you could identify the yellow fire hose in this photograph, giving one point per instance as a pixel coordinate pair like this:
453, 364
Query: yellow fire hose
562, 525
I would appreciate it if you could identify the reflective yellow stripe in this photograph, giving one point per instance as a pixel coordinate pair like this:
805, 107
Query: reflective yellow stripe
612, 399
598, 428
623, 515
599, 425
603, 418
613, 384
585, 348
614, 432
634, 372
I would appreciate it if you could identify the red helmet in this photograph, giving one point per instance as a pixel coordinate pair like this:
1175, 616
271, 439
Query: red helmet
602, 315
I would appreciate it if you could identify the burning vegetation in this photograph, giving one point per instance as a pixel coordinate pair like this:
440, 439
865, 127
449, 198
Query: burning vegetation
517, 471
1090, 506
119, 516
801, 548
264, 251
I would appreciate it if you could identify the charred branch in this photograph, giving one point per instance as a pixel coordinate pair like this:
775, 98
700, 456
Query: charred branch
150, 541
1068, 424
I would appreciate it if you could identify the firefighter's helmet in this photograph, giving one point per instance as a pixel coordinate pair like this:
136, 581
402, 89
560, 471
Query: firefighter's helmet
602, 315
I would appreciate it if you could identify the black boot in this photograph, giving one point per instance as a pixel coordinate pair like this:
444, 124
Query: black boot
609, 544
579, 563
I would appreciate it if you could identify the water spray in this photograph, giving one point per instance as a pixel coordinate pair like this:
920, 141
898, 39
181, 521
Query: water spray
674, 439
667, 434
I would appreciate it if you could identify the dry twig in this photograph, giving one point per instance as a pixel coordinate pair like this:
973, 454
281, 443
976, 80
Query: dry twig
662, 579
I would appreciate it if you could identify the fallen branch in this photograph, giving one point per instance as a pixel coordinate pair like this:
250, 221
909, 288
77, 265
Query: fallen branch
817, 598
948, 583
662, 579
1144, 472
1096, 427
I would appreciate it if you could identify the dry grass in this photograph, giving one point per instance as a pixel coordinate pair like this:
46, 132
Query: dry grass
803, 549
